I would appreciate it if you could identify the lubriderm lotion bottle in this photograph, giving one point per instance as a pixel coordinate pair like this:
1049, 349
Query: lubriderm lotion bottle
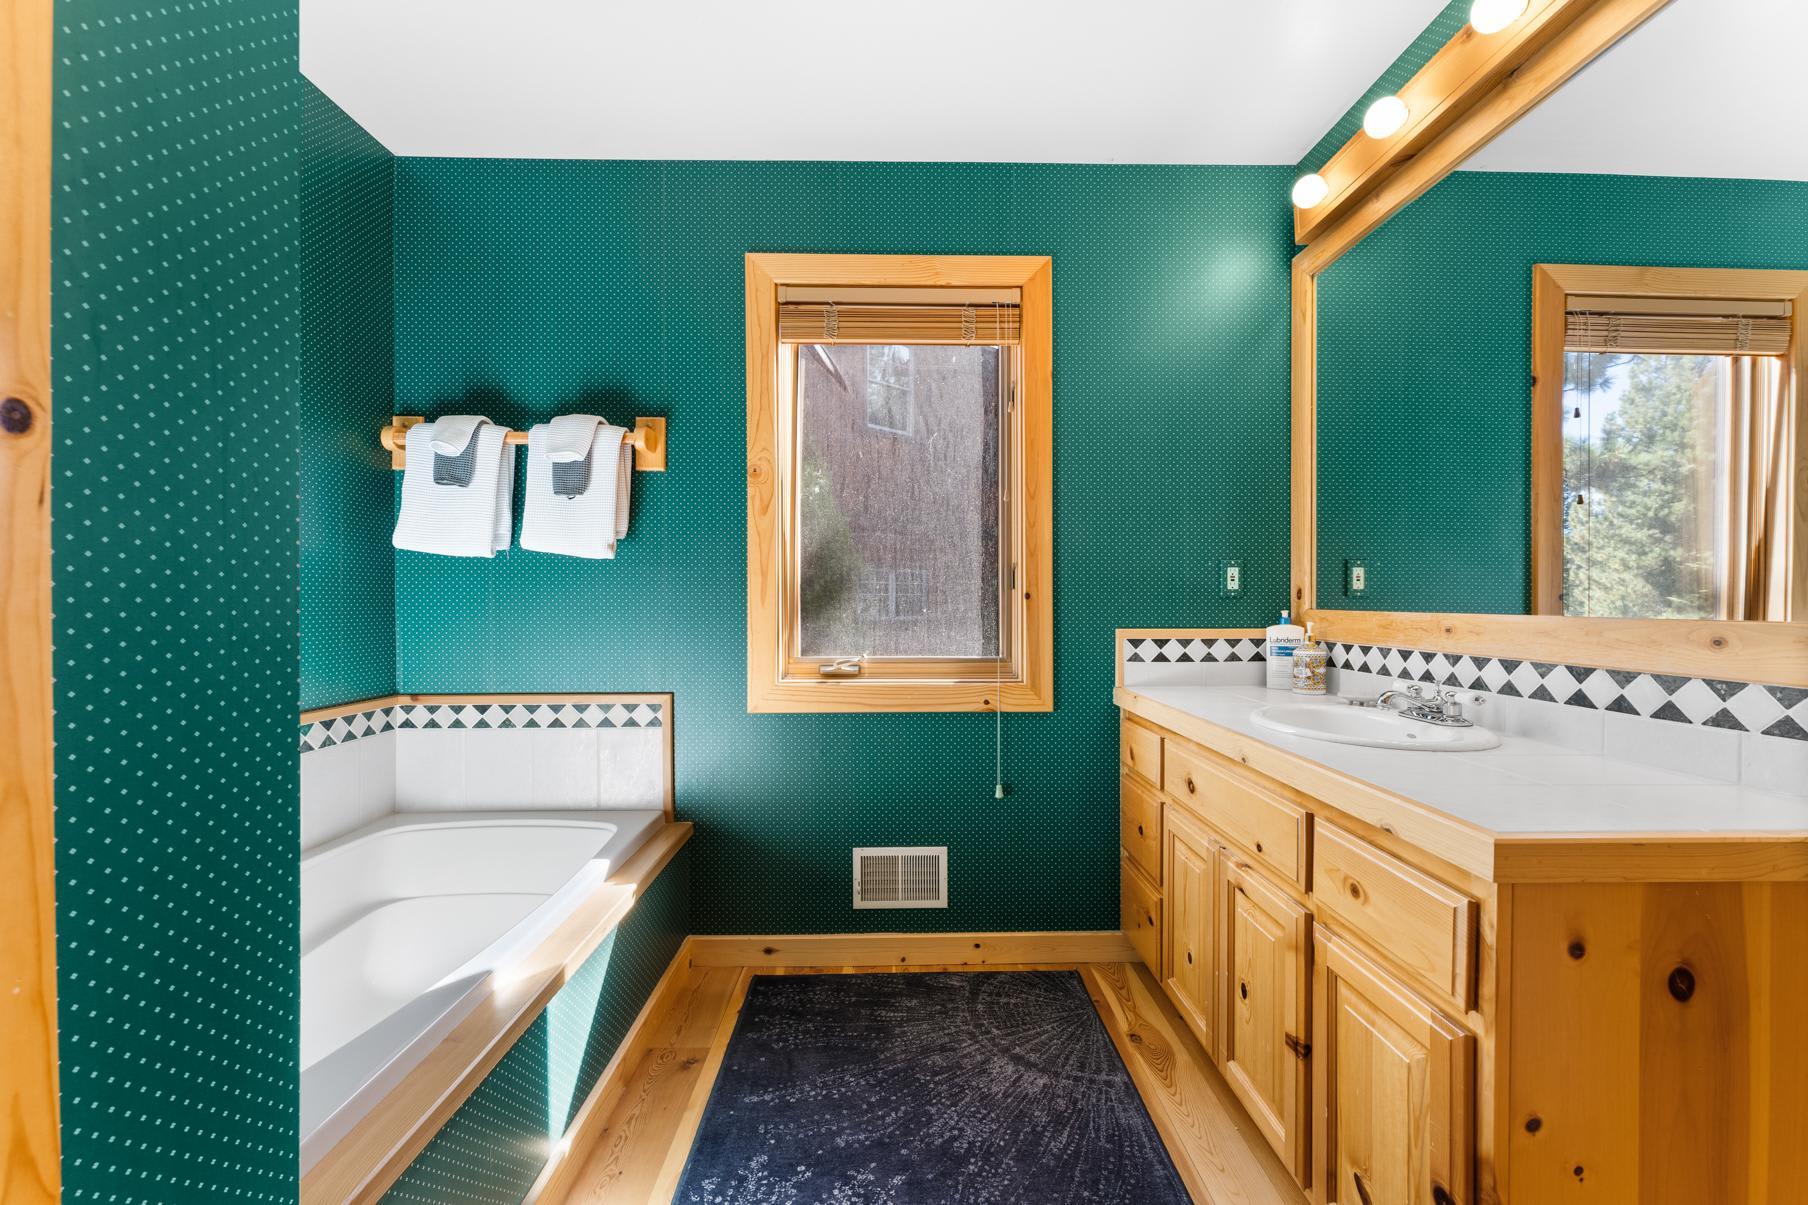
1283, 637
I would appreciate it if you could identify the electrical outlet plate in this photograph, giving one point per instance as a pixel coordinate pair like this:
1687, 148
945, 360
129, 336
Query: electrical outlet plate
1230, 577
1359, 579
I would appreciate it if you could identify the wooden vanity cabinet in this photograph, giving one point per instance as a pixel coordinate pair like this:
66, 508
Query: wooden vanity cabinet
1393, 1088
1264, 1043
1414, 1011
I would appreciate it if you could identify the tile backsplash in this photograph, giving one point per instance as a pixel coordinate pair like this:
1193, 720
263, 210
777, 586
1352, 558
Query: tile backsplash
1734, 706
1745, 732
443, 757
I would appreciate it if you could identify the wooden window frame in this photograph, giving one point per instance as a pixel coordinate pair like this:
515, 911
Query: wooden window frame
778, 682
1502, 83
1552, 287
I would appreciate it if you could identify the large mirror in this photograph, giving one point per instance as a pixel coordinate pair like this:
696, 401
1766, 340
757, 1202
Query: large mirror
1567, 379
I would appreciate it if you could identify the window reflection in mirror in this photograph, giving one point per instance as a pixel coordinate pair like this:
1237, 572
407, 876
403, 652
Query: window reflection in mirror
1676, 486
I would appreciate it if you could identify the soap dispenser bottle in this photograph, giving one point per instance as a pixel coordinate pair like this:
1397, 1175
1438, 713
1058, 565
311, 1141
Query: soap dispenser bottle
1310, 660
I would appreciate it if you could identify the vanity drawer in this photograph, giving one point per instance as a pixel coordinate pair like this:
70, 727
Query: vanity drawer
1140, 751
1425, 926
1263, 823
1139, 825
1139, 915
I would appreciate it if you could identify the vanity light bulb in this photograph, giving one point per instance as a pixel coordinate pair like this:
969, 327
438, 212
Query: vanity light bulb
1492, 16
1385, 117
1309, 190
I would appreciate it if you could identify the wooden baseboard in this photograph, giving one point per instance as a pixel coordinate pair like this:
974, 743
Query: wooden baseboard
894, 949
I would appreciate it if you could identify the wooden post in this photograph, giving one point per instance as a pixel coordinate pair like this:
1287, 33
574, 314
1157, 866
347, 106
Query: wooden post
29, 1150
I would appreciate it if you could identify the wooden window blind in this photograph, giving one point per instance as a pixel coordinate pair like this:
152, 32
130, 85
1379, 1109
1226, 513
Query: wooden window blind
989, 317
1677, 325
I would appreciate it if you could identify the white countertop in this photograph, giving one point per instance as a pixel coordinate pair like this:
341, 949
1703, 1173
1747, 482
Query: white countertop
1522, 787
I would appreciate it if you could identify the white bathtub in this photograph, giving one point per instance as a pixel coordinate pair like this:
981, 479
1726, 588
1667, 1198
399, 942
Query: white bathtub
404, 921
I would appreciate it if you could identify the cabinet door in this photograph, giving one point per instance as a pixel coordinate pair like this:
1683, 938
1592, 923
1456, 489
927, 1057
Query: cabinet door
1192, 926
1139, 914
1394, 1086
1266, 962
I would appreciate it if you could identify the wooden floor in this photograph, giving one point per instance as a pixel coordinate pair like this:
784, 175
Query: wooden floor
635, 1153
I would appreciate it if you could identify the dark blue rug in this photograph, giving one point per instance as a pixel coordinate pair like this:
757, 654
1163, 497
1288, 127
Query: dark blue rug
982, 1088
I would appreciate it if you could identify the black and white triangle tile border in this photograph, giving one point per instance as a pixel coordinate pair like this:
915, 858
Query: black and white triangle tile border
341, 729
1780, 711
1174, 650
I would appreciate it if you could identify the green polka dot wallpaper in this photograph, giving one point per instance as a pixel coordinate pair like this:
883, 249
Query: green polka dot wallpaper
527, 289
1424, 363
346, 360
494, 1146
174, 563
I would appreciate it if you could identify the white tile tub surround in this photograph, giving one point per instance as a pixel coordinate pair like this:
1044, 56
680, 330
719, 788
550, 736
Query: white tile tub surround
416, 757
346, 786
1734, 732
450, 770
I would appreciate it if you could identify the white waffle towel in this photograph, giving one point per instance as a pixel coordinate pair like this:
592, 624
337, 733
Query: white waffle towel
588, 524
452, 520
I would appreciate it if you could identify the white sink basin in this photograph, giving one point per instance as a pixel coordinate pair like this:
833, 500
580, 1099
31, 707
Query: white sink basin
1346, 725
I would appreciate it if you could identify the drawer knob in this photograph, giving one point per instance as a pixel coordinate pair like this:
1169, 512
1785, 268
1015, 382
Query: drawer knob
1190, 788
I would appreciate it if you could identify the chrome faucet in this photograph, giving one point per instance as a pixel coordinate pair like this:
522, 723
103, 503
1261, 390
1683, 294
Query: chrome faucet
1443, 707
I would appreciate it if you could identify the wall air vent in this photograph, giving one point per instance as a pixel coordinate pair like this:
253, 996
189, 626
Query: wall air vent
901, 877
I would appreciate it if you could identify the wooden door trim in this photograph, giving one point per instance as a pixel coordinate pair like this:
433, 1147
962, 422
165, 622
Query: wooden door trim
28, 1037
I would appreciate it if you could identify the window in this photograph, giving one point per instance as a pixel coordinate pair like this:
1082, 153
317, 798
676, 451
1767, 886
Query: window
891, 402
898, 501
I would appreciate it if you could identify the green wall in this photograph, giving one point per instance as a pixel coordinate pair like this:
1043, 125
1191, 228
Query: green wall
346, 370
493, 1147
1424, 346
526, 289
174, 561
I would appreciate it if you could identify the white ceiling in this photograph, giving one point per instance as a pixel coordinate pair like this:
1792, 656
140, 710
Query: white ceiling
1165, 81
1704, 88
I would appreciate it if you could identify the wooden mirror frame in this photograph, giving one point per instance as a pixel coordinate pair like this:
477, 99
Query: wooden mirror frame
1471, 90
